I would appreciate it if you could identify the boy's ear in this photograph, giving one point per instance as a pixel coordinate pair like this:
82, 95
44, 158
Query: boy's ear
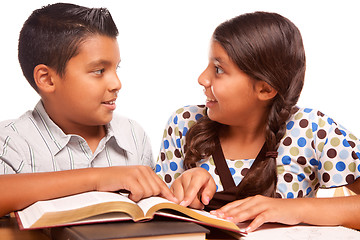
265, 91
43, 76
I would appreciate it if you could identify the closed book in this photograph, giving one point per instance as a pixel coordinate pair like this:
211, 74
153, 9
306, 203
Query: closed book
157, 229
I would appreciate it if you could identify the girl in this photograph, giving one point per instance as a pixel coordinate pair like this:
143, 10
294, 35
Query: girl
251, 144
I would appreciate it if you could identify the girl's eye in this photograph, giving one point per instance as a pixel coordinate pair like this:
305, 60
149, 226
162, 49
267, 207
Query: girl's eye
218, 70
99, 72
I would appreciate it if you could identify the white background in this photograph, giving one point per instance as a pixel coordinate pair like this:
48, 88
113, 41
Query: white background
164, 47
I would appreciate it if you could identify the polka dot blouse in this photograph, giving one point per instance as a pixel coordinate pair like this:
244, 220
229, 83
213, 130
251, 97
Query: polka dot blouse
315, 152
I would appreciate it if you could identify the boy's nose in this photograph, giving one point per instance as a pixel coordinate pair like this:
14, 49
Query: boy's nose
116, 83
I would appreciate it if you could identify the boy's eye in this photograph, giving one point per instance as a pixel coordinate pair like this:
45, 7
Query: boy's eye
218, 70
100, 71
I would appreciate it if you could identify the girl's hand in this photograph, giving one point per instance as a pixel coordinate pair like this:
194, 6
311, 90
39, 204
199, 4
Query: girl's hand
262, 209
192, 184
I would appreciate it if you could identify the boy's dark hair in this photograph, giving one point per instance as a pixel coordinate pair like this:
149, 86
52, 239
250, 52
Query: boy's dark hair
52, 35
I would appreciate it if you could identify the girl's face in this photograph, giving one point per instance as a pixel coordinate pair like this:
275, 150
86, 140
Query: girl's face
231, 96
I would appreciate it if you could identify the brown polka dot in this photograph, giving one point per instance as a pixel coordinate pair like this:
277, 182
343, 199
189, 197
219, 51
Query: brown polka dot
287, 141
167, 178
354, 156
177, 153
320, 114
170, 130
331, 153
186, 115
216, 171
321, 134
300, 194
326, 177
313, 144
301, 160
317, 186
350, 179
304, 123
352, 144
312, 176
201, 106
288, 177
244, 171
337, 131
162, 156
278, 195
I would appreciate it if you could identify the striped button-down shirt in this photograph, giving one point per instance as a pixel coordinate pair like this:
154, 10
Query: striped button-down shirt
34, 143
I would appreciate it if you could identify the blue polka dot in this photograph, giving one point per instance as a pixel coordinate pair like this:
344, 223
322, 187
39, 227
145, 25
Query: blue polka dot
301, 142
165, 168
319, 165
198, 116
343, 132
185, 131
314, 127
337, 178
280, 150
295, 132
176, 119
193, 109
314, 162
232, 171
305, 184
178, 143
358, 167
308, 190
294, 168
340, 166
157, 168
290, 195
286, 160
173, 166
358, 154
344, 154
282, 187
205, 166
330, 121
217, 187
300, 177
166, 144
181, 124
346, 143
237, 180
307, 110
289, 125
308, 152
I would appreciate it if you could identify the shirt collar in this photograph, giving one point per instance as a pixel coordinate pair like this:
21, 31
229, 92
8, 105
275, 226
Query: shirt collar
59, 139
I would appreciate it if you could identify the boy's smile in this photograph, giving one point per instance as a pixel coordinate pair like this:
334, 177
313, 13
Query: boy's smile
85, 96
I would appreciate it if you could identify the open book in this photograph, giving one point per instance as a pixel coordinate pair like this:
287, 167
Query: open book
91, 207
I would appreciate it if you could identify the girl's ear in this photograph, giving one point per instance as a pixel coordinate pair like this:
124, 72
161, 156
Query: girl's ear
43, 76
265, 91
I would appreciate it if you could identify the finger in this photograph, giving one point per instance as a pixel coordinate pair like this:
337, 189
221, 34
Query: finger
196, 204
178, 190
136, 191
208, 192
256, 223
192, 190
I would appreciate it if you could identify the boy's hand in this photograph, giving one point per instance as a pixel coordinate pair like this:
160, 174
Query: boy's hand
192, 184
140, 181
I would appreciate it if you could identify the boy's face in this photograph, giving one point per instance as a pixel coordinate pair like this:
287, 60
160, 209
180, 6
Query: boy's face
86, 95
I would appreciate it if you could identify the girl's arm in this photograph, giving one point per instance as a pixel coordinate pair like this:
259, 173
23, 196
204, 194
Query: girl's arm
20, 190
344, 211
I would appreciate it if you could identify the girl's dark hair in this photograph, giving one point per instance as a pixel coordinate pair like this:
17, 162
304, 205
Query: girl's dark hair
52, 35
267, 47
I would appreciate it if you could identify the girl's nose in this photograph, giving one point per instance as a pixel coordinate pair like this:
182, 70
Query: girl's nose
203, 79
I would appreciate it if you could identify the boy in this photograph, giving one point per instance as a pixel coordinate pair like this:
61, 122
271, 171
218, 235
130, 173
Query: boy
70, 142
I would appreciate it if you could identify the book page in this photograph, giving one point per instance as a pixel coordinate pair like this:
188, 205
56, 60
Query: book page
146, 203
300, 232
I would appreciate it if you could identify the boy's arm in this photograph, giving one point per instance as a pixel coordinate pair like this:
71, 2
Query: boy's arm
21, 190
